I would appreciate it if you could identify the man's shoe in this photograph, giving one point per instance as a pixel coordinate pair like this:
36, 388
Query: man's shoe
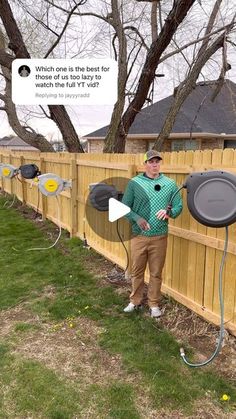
155, 312
131, 307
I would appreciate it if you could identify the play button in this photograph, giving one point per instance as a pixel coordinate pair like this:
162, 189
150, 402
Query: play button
104, 206
117, 210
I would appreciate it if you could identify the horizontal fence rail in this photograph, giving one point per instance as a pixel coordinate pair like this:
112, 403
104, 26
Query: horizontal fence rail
194, 251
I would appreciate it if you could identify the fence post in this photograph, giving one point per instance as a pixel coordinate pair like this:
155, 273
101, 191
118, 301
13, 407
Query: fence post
44, 198
1, 184
23, 183
73, 203
131, 173
11, 188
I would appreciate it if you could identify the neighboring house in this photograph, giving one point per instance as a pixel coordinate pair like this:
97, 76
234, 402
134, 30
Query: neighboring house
15, 144
200, 123
59, 146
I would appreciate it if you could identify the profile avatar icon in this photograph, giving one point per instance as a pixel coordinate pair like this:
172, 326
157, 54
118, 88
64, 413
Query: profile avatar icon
24, 71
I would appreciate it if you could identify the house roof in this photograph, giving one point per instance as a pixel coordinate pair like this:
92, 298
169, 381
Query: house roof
197, 114
16, 143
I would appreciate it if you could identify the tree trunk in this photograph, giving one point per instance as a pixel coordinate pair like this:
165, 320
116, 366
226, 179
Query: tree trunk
30, 137
16, 40
184, 90
154, 26
58, 112
173, 20
186, 87
5, 59
121, 82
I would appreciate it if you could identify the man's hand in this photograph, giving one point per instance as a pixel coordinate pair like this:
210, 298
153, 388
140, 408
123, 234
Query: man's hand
143, 224
162, 215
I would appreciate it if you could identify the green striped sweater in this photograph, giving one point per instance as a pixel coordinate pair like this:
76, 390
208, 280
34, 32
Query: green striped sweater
145, 201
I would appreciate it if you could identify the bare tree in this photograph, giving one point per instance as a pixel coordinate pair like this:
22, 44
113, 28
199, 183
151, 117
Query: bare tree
176, 16
25, 132
58, 113
206, 51
124, 19
123, 59
117, 24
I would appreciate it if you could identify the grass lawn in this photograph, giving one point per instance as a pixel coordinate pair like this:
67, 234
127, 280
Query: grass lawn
67, 350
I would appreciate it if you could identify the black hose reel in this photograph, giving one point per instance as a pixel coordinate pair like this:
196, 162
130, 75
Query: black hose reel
100, 193
29, 171
211, 197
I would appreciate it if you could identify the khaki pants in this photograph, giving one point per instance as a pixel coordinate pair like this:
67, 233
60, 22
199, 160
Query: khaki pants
151, 250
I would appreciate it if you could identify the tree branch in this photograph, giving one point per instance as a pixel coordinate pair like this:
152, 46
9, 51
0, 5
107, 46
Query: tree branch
16, 40
174, 19
154, 28
114, 46
38, 20
160, 16
196, 41
58, 112
62, 32
209, 27
44, 112
32, 138
132, 65
105, 19
225, 67
2, 97
186, 88
195, 117
132, 28
181, 52
5, 59
231, 43
148, 1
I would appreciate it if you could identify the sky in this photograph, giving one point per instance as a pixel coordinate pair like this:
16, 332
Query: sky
89, 118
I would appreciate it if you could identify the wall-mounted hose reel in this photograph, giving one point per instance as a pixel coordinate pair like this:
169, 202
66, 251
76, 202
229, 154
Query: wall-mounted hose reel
211, 198
50, 184
29, 171
8, 171
100, 193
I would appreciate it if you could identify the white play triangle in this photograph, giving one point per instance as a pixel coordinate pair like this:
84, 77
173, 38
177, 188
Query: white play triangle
116, 210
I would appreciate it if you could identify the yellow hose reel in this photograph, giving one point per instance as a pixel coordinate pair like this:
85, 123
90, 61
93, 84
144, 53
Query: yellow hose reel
52, 185
8, 171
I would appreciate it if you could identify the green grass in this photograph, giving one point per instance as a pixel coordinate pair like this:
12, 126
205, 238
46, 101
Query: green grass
117, 400
146, 348
25, 327
30, 387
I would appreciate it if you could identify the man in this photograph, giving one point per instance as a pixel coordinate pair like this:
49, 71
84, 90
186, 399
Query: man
148, 196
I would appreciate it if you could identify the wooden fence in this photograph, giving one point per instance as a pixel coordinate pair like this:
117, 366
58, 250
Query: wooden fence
194, 251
